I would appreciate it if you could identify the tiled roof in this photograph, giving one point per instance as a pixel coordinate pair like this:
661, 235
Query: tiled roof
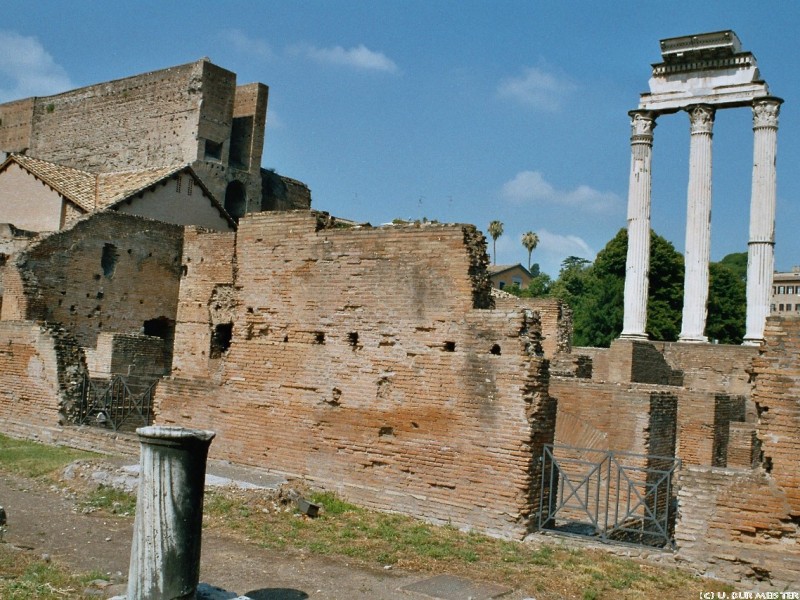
74, 184
115, 187
94, 192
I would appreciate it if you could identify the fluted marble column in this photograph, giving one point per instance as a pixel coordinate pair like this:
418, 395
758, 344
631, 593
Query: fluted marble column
637, 265
165, 557
761, 247
698, 225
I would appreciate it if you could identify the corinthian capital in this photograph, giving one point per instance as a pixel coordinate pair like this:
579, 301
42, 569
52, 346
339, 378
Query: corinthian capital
642, 123
766, 111
701, 118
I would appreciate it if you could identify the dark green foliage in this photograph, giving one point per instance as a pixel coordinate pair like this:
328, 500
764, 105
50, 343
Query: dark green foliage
595, 292
736, 262
727, 303
598, 304
665, 295
539, 287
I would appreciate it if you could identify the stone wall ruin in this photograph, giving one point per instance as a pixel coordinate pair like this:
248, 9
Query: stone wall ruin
371, 361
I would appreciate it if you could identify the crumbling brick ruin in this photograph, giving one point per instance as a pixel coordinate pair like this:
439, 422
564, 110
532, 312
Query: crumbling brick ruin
376, 362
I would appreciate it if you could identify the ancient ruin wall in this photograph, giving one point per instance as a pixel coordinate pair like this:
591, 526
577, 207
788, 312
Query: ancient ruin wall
154, 119
40, 371
39, 377
207, 264
746, 522
110, 272
16, 121
556, 318
359, 361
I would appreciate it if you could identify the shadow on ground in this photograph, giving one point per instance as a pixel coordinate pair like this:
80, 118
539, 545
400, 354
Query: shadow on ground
277, 594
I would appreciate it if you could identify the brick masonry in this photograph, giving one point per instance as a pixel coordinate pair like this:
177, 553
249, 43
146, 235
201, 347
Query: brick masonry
742, 521
110, 272
380, 380
374, 361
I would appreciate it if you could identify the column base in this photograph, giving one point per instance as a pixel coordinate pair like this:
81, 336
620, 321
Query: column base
641, 337
692, 339
752, 341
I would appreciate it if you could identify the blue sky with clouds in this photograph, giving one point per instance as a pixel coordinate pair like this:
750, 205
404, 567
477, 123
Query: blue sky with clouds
461, 111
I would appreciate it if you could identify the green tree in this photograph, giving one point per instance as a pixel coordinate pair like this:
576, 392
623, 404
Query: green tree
495, 230
572, 278
538, 287
598, 307
665, 297
727, 302
736, 262
530, 240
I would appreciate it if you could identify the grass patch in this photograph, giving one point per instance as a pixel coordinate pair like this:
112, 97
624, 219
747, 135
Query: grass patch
110, 500
548, 571
31, 459
25, 577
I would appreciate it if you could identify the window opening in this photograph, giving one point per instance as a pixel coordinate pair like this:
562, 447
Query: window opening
221, 339
108, 260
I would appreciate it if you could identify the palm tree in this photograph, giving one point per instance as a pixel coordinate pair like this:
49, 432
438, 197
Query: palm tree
495, 230
530, 240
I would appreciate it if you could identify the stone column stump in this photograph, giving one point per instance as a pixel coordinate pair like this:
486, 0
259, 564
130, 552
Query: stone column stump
165, 557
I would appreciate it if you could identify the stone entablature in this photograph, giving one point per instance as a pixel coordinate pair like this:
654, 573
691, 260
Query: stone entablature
708, 68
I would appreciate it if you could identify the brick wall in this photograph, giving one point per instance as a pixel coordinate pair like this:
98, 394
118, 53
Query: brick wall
635, 418
742, 521
16, 119
556, 318
136, 356
358, 360
40, 372
110, 272
147, 120
207, 262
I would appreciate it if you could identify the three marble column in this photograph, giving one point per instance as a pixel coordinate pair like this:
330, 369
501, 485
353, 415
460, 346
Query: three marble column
698, 222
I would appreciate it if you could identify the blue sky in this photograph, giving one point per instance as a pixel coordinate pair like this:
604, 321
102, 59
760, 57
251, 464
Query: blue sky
460, 111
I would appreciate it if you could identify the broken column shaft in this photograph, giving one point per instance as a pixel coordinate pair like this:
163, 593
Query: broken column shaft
165, 557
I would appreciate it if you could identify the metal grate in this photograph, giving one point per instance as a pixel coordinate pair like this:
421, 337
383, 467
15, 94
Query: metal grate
610, 495
120, 404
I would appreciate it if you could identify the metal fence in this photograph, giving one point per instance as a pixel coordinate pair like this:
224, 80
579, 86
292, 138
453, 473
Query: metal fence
608, 495
121, 404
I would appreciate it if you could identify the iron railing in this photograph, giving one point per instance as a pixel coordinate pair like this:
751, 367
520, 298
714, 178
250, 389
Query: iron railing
610, 495
119, 404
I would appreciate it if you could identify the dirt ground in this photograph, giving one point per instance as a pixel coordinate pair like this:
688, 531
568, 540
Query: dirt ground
43, 517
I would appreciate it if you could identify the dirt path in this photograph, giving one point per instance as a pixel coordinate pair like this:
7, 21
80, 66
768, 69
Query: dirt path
44, 518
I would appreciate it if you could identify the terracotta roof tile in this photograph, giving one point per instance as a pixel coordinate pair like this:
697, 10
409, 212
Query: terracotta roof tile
74, 184
115, 187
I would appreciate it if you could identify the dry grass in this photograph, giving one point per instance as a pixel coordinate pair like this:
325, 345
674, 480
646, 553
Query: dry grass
550, 570
23, 576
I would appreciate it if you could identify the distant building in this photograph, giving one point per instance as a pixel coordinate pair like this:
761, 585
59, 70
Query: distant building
786, 293
147, 125
506, 276
37, 195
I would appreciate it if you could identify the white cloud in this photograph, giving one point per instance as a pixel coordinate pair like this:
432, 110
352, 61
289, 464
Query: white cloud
530, 187
27, 69
537, 88
563, 245
359, 57
243, 43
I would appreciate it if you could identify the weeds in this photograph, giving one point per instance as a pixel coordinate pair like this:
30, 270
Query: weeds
31, 459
